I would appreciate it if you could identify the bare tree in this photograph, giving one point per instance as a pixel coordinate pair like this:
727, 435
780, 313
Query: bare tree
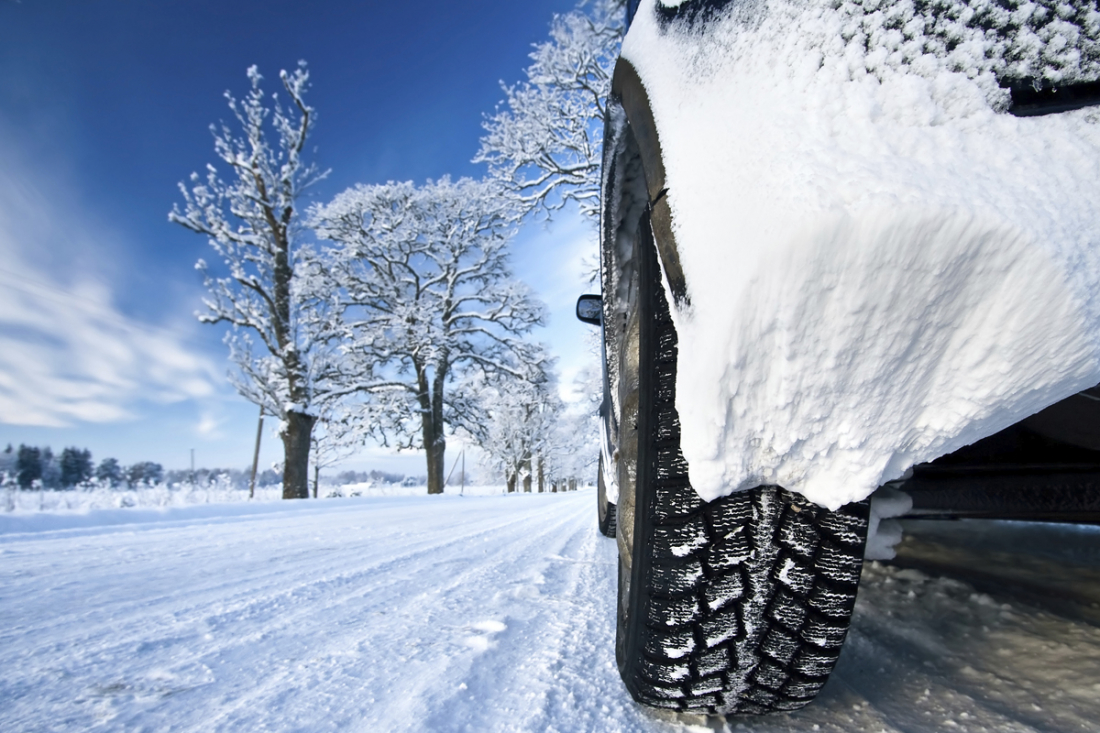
546, 144
252, 222
421, 278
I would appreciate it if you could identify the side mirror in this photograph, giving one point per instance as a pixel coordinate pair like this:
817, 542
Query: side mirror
590, 309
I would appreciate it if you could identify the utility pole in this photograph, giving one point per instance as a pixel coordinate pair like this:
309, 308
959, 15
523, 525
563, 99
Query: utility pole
453, 467
256, 456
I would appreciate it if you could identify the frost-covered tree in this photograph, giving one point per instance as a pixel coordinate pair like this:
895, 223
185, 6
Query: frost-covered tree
28, 466
7, 465
76, 466
546, 142
51, 469
517, 434
251, 219
335, 438
144, 473
420, 276
577, 440
532, 434
109, 471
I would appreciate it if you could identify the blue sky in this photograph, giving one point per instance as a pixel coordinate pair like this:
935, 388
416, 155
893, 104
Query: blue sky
105, 106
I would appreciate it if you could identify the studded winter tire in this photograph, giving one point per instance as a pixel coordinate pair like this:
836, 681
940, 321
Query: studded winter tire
739, 605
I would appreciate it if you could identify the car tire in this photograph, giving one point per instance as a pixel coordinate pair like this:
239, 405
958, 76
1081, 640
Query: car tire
604, 508
739, 605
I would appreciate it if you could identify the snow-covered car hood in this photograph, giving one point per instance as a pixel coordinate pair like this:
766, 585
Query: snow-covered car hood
882, 265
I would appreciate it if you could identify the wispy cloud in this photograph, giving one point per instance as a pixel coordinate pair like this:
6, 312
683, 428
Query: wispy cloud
67, 354
210, 424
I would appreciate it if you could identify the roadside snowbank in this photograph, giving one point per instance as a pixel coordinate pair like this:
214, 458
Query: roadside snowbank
45, 511
12, 500
33, 522
881, 266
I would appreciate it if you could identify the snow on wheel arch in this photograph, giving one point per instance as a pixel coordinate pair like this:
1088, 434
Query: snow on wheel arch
882, 266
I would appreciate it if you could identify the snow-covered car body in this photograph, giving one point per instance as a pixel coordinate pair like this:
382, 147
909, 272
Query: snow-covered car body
845, 246
877, 222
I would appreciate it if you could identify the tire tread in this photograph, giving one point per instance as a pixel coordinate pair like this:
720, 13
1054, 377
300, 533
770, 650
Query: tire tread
746, 598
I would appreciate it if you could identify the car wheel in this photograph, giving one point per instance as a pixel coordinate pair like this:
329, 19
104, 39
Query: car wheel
604, 508
739, 605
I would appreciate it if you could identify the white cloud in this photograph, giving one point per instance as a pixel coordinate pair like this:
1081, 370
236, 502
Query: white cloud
67, 354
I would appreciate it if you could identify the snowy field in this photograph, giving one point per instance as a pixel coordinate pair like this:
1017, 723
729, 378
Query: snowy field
493, 613
162, 496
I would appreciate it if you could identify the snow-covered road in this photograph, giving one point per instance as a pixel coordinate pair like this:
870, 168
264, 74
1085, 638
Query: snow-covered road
494, 614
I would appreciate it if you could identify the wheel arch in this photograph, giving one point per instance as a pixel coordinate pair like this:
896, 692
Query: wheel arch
629, 93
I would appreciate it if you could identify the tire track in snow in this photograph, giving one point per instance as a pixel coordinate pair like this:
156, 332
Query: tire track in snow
261, 587
204, 586
533, 598
426, 632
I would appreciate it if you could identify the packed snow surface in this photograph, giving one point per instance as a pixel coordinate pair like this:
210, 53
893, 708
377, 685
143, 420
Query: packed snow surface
882, 265
495, 614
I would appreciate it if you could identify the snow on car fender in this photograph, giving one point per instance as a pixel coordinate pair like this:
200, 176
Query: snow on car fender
880, 264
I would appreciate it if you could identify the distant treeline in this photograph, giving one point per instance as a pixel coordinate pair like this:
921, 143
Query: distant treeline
32, 467
379, 477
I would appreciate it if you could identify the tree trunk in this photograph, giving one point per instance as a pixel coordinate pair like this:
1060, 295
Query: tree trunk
430, 397
436, 476
511, 479
435, 444
296, 455
434, 447
316, 478
542, 477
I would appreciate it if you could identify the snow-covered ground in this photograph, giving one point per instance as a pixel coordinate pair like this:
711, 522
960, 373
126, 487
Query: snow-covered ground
493, 613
